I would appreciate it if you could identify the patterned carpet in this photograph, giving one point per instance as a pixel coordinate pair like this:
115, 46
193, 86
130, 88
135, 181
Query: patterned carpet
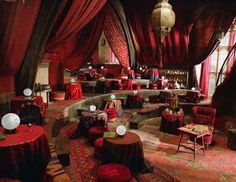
83, 165
218, 164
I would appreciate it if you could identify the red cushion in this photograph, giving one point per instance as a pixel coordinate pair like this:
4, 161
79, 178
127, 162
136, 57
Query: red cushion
113, 173
136, 86
98, 143
111, 113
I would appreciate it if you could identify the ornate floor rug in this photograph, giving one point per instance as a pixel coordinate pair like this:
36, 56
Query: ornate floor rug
217, 165
83, 165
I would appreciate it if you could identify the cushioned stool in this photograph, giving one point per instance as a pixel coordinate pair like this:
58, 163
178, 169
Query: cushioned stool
136, 86
57, 96
98, 144
95, 133
153, 86
232, 139
113, 173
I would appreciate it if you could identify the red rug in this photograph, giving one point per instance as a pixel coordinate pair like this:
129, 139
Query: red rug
83, 165
218, 164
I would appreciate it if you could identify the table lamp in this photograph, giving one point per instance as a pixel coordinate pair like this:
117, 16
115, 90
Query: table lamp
10, 122
121, 130
27, 93
113, 97
92, 108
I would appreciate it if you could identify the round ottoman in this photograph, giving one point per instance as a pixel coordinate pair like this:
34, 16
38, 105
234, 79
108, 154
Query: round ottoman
95, 133
57, 96
136, 86
98, 144
153, 86
113, 173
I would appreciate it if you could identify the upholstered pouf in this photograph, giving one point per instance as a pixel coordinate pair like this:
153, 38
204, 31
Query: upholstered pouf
232, 139
95, 133
113, 173
153, 86
57, 96
136, 86
98, 144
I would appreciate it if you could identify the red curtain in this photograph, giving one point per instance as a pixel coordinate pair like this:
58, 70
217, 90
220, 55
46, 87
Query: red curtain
214, 19
76, 39
138, 15
232, 41
116, 36
17, 22
205, 76
80, 13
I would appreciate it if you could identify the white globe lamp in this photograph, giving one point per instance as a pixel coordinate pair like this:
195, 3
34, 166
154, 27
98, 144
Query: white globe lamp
92, 108
10, 122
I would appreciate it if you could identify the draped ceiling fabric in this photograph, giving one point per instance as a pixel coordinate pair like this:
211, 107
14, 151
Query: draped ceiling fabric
16, 26
204, 36
138, 15
116, 36
80, 13
77, 37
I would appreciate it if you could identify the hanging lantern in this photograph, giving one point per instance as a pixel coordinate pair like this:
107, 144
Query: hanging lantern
163, 18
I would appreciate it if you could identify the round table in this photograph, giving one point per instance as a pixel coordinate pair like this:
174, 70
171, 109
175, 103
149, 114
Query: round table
25, 154
170, 122
73, 91
134, 101
89, 120
125, 150
18, 101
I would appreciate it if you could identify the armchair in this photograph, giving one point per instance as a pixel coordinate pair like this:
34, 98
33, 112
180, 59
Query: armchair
205, 116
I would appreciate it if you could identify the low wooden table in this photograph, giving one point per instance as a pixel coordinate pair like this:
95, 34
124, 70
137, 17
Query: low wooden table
192, 145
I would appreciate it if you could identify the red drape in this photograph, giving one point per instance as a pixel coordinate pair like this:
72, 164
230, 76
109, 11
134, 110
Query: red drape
213, 20
116, 36
138, 15
17, 22
205, 76
76, 39
80, 13
232, 41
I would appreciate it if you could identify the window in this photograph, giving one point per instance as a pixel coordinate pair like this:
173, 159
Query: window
217, 60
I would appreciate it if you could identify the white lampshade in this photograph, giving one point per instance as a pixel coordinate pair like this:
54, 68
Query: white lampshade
135, 91
193, 88
90, 67
102, 67
27, 92
113, 97
121, 130
10, 121
92, 108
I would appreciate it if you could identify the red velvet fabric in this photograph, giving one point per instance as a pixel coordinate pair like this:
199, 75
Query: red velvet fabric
232, 41
18, 101
80, 13
73, 91
16, 25
95, 133
22, 151
113, 173
111, 113
216, 18
205, 76
138, 15
116, 36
